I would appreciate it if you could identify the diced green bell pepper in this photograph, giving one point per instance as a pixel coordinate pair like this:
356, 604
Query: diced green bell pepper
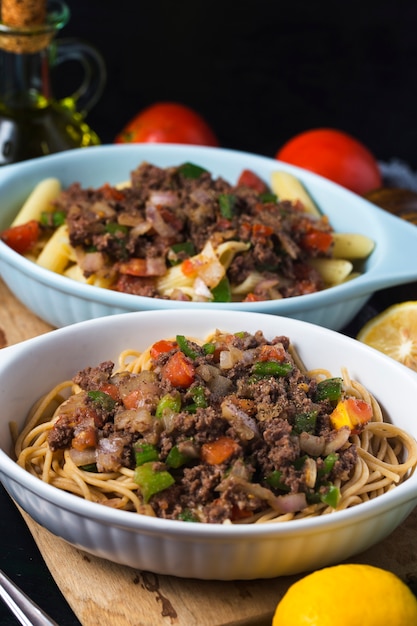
274, 480
150, 481
227, 203
54, 219
168, 403
190, 170
186, 347
329, 389
305, 422
222, 292
176, 458
264, 369
331, 496
186, 246
102, 399
197, 394
145, 452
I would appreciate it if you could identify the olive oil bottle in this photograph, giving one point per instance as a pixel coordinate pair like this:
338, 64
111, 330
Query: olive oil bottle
32, 122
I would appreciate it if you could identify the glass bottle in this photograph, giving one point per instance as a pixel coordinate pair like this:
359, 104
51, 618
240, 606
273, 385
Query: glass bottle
32, 122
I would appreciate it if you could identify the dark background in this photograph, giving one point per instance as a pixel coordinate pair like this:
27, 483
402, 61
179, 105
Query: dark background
260, 71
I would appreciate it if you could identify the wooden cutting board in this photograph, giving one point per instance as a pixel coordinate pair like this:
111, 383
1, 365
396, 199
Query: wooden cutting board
100, 592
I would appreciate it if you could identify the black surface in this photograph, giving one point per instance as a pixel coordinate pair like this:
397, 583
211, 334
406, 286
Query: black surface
260, 71
21, 561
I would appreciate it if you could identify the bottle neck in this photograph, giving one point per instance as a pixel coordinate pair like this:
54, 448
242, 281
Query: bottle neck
24, 80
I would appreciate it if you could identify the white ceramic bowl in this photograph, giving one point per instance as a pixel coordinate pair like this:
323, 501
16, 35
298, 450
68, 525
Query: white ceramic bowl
206, 551
62, 301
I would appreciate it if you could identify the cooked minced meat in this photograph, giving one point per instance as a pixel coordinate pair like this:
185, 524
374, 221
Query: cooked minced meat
235, 423
132, 236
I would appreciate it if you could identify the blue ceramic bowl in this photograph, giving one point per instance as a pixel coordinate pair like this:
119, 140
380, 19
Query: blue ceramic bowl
61, 301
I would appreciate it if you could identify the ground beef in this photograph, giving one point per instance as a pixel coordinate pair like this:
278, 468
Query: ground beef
94, 377
232, 438
164, 209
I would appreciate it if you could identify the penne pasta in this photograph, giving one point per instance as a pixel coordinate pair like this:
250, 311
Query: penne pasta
333, 271
147, 239
287, 187
352, 246
57, 251
39, 201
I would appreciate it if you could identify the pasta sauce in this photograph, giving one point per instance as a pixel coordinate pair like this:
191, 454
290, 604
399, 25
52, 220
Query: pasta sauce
228, 430
178, 233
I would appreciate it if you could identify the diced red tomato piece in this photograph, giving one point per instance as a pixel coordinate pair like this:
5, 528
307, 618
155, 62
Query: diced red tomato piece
162, 346
23, 237
179, 370
131, 400
252, 297
134, 267
111, 193
238, 514
317, 240
261, 232
111, 390
252, 180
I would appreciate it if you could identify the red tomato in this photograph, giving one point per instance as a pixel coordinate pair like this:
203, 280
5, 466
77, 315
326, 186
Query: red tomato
168, 122
161, 346
317, 240
334, 155
23, 237
179, 370
249, 179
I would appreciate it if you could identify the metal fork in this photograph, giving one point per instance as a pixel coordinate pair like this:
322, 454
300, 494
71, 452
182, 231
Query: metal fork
27, 612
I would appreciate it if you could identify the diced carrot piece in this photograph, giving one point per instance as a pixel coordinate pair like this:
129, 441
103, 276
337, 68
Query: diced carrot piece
272, 353
85, 439
252, 297
188, 268
179, 370
218, 451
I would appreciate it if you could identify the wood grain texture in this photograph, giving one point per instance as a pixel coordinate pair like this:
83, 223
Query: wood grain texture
100, 592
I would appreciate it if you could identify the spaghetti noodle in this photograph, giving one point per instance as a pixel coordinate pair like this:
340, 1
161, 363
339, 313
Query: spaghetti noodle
230, 430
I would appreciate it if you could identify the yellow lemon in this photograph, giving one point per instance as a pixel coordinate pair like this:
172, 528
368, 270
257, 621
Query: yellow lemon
394, 332
348, 595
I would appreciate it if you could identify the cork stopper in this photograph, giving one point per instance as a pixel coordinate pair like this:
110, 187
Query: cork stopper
26, 13
24, 27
